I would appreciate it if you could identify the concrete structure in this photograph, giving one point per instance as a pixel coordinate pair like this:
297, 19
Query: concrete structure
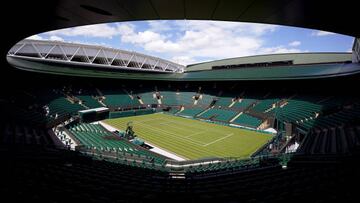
92, 56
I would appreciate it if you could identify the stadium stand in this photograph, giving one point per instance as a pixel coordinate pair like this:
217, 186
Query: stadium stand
62, 106
224, 101
218, 114
298, 110
204, 100
177, 98
96, 137
89, 101
88, 96
337, 140
148, 98
17, 134
174, 110
243, 103
247, 120
265, 105
334, 133
136, 112
190, 112
317, 109
65, 172
118, 98
335, 119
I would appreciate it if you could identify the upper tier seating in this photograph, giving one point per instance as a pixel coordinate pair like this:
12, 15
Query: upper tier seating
297, 111
339, 118
62, 106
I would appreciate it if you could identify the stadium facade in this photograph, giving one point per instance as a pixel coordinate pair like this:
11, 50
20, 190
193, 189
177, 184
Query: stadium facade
93, 57
90, 60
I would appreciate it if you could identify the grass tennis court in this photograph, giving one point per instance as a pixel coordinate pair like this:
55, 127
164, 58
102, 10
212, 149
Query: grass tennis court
193, 139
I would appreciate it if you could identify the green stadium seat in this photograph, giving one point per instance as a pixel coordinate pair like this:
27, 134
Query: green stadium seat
247, 120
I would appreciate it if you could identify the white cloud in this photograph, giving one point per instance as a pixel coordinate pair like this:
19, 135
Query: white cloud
160, 25
182, 41
35, 37
278, 50
56, 38
125, 28
91, 43
321, 33
235, 27
53, 38
201, 39
183, 59
295, 43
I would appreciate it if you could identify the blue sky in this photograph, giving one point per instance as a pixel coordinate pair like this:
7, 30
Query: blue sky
189, 41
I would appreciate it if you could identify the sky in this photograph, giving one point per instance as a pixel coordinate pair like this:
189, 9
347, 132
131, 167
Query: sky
192, 41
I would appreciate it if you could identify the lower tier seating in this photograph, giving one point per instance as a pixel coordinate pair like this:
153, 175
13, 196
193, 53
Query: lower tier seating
190, 112
219, 114
50, 175
96, 137
247, 120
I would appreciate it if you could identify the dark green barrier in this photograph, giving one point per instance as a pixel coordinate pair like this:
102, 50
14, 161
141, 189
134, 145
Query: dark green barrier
119, 114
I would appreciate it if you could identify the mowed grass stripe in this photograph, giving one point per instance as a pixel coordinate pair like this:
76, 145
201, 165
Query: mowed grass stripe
213, 126
166, 144
187, 147
200, 135
189, 150
172, 134
224, 130
180, 146
241, 144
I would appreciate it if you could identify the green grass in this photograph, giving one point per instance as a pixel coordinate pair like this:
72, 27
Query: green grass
193, 139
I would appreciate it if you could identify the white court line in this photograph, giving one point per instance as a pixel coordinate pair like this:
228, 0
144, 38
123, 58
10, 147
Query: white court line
172, 134
155, 148
196, 133
176, 127
146, 120
196, 126
201, 132
179, 136
219, 139
140, 121
166, 123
